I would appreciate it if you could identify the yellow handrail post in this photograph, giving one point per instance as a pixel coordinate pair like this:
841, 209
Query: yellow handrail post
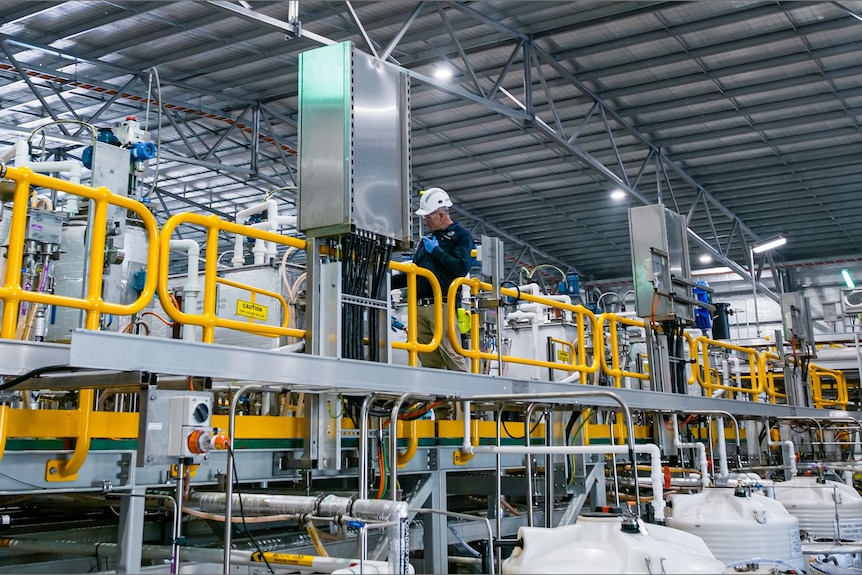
57, 470
15, 254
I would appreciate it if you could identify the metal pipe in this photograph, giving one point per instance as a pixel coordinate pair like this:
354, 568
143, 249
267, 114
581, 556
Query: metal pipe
363, 444
614, 464
468, 518
630, 433
229, 469
498, 464
393, 439
549, 470
528, 463
649, 448
178, 517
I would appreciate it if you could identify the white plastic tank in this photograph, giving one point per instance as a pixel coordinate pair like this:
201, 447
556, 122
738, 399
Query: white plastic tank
600, 545
816, 503
737, 525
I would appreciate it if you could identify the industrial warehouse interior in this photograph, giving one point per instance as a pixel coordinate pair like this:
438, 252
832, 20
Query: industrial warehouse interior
213, 329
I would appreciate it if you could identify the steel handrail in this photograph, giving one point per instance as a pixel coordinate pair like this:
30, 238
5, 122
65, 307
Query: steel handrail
208, 320
12, 293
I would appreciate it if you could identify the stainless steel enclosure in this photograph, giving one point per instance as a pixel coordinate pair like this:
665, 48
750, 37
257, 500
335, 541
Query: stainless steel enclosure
354, 159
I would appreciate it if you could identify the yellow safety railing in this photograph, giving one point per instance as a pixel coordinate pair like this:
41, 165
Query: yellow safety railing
255, 291
57, 470
584, 318
817, 374
771, 377
208, 319
572, 354
705, 376
12, 293
412, 345
614, 370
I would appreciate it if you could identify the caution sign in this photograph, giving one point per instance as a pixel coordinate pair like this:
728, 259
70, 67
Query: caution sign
250, 309
564, 356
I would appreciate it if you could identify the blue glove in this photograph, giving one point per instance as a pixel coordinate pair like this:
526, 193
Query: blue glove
430, 243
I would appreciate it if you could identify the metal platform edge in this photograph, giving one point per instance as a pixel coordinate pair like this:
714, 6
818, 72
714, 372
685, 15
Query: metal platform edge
137, 353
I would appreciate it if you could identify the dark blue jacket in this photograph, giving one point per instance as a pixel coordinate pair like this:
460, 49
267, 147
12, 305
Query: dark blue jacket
451, 260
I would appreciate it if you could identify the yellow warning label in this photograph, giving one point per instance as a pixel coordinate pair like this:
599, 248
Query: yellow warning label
564, 355
252, 310
284, 558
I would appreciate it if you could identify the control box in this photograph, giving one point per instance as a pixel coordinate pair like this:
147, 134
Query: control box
174, 424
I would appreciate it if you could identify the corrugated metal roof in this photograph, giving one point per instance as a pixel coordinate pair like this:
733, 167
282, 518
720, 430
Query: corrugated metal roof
743, 116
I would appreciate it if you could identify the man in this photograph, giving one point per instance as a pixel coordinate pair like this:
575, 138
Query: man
445, 251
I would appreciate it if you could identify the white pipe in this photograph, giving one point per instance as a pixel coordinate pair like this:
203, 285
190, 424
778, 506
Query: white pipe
701, 452
191, 289
533, 318
788, 454
262, 250
271, 208
7, 154
573, 377
74, 167
532, 289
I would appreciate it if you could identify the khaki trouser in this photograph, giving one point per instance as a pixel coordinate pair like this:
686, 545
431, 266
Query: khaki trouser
444, 357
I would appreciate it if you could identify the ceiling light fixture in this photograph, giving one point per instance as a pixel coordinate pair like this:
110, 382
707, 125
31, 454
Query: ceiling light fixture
443, 72
848, 280
769, 244
618, 194
705, 258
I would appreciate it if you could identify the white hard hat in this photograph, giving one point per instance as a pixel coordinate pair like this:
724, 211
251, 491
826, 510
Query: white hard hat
432, 200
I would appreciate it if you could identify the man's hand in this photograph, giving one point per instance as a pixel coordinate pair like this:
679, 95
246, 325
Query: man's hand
430, 243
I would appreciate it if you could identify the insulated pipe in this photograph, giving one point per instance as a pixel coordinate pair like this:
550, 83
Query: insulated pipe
74, 167
378, 510
701, 452
560, 397
192, 288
